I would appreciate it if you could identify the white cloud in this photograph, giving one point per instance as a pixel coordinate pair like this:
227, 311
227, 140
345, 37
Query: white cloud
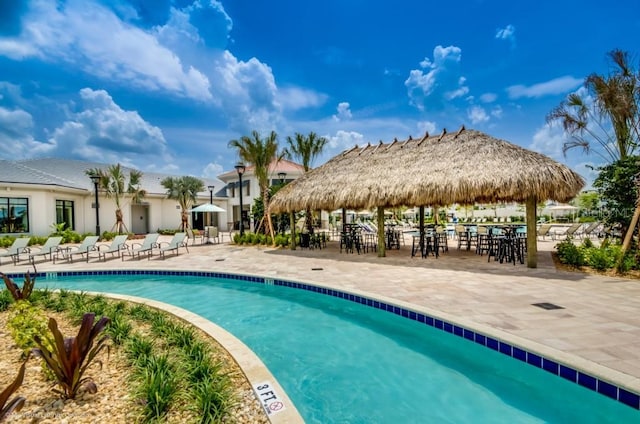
104, 132
426, 126
76, 32
248, 93
496, 112
555, 86
477, 115
488, 97
507, 33
294, 98
344, 140
549, 140
212, 170
439, 79
344, 112
16, 135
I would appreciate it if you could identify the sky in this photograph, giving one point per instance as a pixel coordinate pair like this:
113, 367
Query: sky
164, 85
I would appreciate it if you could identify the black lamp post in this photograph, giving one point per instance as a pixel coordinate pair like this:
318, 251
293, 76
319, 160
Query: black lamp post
240, 168
282, 176
95, 179
211, 202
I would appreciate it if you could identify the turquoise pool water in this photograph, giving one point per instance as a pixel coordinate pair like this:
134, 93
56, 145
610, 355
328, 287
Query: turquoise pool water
342, 362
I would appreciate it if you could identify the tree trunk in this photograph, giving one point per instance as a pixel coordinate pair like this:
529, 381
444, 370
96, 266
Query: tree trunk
119, 225
292, 222
308, 222
267, 215
629, 235
184, 225
532, 233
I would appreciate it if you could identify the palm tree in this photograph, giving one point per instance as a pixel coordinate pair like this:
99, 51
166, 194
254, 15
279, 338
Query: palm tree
305, 149
616, 106
260, 153
613, 120
184, 190
113, 182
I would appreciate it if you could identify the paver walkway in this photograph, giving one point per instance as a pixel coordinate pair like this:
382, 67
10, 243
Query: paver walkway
598, 330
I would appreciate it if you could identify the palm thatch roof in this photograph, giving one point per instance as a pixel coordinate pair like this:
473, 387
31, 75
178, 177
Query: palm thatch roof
463, 167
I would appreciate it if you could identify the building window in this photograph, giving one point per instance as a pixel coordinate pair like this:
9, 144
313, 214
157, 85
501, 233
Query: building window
247, 190
14, 215
64, 214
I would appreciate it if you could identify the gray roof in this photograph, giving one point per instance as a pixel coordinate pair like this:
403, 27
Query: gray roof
72, 174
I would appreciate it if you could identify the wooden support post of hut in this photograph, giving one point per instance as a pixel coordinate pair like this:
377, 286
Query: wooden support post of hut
532, 233
381, 241
292, 223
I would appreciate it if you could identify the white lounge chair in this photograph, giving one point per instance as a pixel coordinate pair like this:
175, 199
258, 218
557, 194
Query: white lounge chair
179, 240
49, 247
149, 243
19, 246
88, 245
118, 246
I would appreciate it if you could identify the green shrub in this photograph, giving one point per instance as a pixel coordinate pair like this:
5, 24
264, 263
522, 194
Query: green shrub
141, 312
603, 257
587, 243
38, 240
67, 234
158, 388
570, 254
5, 300
138, 350
25, 322
6, 241
119, 330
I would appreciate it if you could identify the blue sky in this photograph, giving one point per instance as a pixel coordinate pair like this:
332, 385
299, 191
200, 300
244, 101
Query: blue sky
163, 85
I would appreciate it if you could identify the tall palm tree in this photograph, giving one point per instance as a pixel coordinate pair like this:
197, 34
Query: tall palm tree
614, 104
185, 190
305, 148
613, 120
113, 182
260, 153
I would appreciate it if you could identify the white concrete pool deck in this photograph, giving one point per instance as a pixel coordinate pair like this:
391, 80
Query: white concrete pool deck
598, 331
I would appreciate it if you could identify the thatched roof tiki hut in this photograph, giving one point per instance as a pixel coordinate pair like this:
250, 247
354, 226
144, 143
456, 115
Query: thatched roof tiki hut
463, 167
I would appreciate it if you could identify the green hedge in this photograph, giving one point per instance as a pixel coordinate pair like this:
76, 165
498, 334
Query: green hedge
599, 258
256, 239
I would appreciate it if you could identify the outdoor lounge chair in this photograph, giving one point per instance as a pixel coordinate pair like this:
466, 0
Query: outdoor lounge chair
544, 230
49, 247
117, 246
19, 246
179, 240
88, 245
593, 228
149, 243
576, 230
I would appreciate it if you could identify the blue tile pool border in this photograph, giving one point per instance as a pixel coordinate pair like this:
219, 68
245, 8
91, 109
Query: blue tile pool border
549, 365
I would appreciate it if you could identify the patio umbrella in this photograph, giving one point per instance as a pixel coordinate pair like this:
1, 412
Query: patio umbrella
207, 207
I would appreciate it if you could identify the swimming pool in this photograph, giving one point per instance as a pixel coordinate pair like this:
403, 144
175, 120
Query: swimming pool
342, 361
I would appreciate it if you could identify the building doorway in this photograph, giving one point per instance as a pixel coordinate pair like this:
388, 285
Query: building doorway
140, 219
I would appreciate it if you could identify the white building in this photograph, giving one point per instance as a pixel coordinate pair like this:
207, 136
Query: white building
284, 171
35, 194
